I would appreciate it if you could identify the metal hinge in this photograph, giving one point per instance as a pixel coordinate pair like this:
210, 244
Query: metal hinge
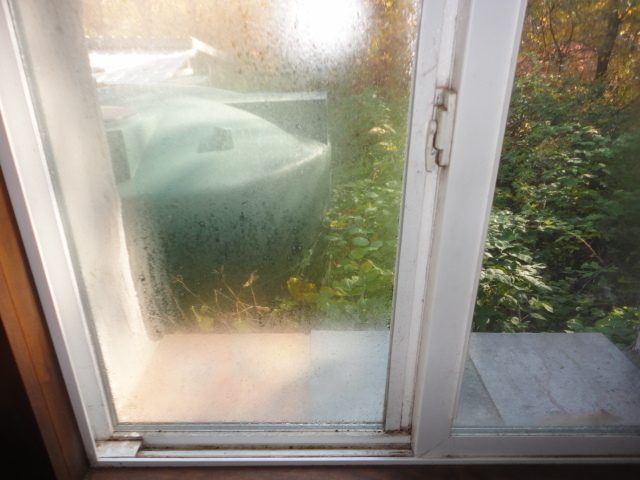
440, 129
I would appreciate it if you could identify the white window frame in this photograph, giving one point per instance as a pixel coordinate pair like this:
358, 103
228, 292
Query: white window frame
469, 46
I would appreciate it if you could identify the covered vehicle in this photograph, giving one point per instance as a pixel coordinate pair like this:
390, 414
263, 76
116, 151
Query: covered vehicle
218, 188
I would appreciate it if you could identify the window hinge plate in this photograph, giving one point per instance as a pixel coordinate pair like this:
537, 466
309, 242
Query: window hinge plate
118, 448
440, 129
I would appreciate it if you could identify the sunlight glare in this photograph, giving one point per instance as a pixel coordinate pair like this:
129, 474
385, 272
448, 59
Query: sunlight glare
325, 29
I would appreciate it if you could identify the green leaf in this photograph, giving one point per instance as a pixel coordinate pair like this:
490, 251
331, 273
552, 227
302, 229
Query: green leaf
547, 307
360, 241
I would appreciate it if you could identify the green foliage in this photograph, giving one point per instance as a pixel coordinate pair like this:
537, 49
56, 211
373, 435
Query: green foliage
511, 289
563, 242
368, 136
564, 235
620, 326
358, 249
362, 227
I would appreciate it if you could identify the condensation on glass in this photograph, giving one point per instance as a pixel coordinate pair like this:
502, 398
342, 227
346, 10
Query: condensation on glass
256, 159
555, 346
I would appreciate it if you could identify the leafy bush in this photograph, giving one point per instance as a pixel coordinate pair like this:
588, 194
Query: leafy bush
358, 249
564, 238
511, 284
362, 228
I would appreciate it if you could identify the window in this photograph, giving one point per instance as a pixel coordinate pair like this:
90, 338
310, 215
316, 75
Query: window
465, 56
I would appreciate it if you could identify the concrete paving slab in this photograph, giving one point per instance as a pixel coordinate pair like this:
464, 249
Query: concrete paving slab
349, 376
218, 378
325, 377
475, 407
340, 377
557, 378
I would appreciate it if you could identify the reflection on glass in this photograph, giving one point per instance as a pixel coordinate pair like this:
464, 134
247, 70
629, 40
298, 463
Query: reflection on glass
555, 342
258, 151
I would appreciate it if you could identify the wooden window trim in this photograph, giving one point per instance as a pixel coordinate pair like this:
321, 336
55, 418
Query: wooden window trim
32, 348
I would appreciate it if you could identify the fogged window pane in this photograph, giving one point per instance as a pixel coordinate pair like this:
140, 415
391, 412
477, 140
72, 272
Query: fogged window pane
258, 151
555, 342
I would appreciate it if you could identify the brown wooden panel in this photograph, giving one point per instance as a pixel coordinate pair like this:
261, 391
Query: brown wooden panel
18, 423
430, 472
33, 351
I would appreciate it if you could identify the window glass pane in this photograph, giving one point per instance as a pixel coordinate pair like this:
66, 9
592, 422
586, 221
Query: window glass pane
555, 333
257, 151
